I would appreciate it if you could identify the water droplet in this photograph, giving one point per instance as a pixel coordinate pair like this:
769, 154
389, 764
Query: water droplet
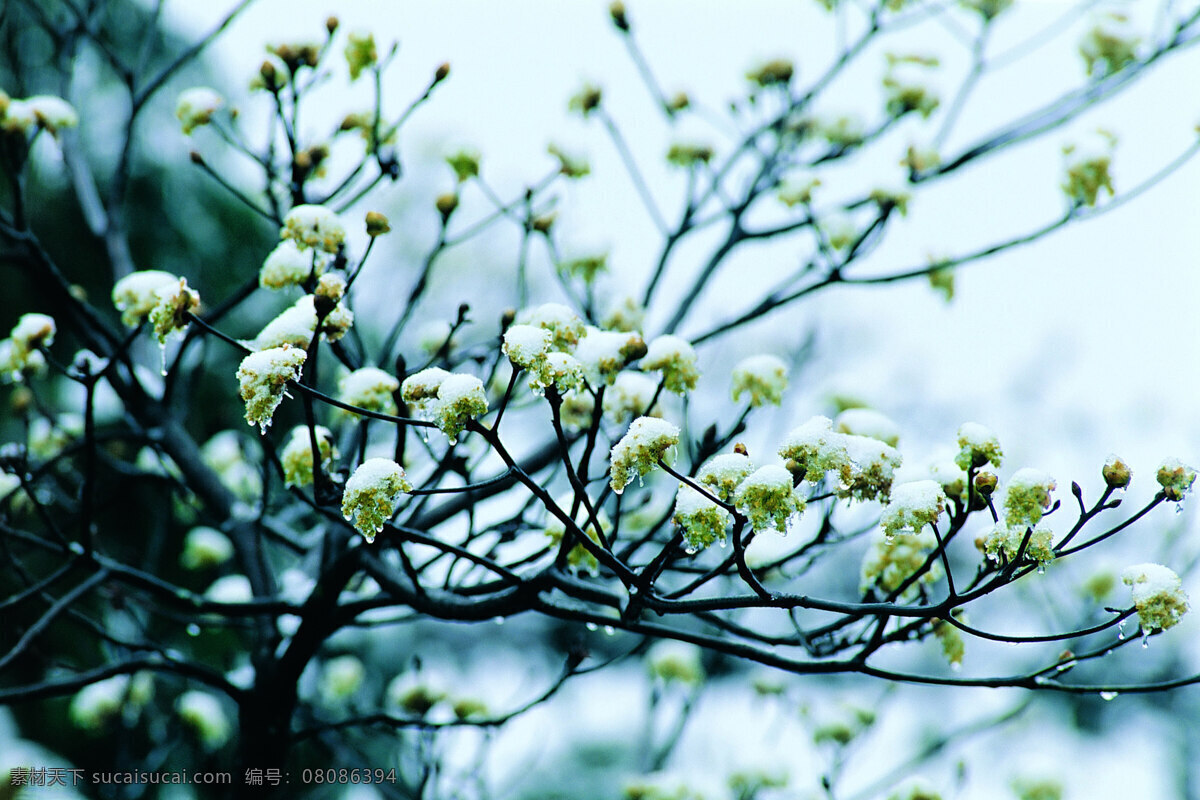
498, 620
1121, 629
956, 666
1109, 695
633, 589
722, 543
162, 358
1041, 569
591, 626
1145, 639
193, 630
609, 630
691, 551
1179, 508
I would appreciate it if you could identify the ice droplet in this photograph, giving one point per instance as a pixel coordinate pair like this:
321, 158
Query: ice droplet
193, 630
691, 551
722, 543
633, 589
1066, 665
609, 630
591, 626
1109, 695
498, 620
956, 666
162, 358
1121, 629
1041, 570
1145, 639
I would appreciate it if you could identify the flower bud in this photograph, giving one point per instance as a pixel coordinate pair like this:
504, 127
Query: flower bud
442, 72
331, 25
543, 223
985, 483
617, 11
377, 224
446, 203
1116, 472
678, 102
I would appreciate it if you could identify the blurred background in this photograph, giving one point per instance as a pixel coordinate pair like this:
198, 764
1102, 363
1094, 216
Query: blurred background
1070, 348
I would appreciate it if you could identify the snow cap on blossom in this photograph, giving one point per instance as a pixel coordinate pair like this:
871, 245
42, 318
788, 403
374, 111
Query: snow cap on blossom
703, 521
262, 380
370, 388
196, 106
297, 455
640, 449
763, 377
1157, 595
768, 499
676, 360
314, 226
372, 495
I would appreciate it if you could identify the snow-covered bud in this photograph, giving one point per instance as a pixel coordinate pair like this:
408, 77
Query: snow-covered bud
465, 164
43, 111
360, 53
525, 345
703, 521
763, 377
1087, 164
569, 164
175, 302
137, 294
263, 378
296, 325
776, 72
95, 704
603, 354
205, 547
724, 473
564, 325
288, 265
868, 422
1027, 496
630, 396
31, 332
913, 506
768, 499
586, 100
373, 494
627, 315
1157, 594
331, 287
669, 660
560, 370
196, 107
893, 560
314, 226
906, 85
1116, 472
370, 388
203, 713
460, 398
1109, 46
640, 449
977, 446
676, 360
1176, 478
297, 456
1004, 540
